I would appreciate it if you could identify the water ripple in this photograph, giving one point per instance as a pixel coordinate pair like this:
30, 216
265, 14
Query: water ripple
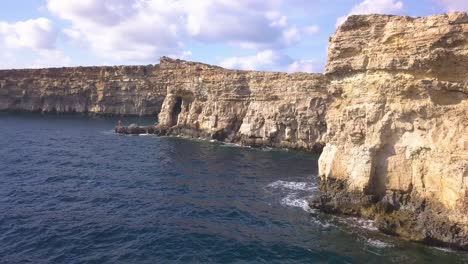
71, 191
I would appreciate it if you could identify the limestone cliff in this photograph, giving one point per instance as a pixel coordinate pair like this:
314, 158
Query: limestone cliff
129, 90
247, 107
397, 134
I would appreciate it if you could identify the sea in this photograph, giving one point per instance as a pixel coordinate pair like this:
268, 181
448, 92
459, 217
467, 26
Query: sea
73, 191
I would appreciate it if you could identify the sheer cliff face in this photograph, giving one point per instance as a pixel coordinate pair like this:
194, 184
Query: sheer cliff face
130, 90
398, 122
252, 108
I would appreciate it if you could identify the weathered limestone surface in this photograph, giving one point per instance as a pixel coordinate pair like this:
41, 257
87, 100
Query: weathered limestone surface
129, 90
247, 107
397, 146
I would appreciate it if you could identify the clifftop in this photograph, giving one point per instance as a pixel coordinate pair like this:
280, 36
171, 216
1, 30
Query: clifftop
435, 46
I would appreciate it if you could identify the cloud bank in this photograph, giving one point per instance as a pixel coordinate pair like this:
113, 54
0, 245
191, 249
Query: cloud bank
140, 31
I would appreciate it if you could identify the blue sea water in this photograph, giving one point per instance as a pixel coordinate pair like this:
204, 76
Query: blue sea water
72, 191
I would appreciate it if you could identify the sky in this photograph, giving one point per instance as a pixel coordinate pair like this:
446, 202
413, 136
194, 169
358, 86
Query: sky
272, 35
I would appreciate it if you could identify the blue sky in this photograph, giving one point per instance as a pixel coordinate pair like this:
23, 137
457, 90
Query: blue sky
277, 35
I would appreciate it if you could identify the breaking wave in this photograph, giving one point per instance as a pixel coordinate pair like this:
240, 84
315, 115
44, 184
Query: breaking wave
298, 186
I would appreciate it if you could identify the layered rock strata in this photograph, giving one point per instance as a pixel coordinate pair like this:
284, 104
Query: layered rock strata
200, 100
123, 90
246, 107
397, 121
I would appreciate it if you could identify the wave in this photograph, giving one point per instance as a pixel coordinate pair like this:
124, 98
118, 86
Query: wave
297, 193
446, 250
293, 201
358, 223
298, 186
378, 243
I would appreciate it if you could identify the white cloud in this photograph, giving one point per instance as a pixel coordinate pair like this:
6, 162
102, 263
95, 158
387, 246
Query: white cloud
455, 5
261, 60
256, 24
7, 60
311, 30
247, 23
311, 66
137, 30
291, 36
123, 30
30, 44
184, 55
51, 58
34, 34
270, 59
373, 7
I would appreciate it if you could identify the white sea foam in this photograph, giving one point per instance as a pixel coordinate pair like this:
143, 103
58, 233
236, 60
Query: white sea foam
367, 224
321, 223
359, 222
298, 186
378, 243
293, 201
448, 250
232, 145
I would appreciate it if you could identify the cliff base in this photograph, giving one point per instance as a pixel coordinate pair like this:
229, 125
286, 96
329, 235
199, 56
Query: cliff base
401, 214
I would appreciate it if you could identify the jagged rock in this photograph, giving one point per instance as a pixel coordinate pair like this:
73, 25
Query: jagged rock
134, 129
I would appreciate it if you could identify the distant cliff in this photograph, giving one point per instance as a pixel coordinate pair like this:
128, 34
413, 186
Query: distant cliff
129, 90
391, 111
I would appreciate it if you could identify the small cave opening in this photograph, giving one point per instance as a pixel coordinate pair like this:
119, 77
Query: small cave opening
176, 109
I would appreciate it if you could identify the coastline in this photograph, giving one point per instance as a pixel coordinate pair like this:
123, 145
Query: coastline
389, 116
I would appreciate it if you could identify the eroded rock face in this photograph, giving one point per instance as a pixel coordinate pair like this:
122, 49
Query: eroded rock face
247, 107
126, 90
398, 124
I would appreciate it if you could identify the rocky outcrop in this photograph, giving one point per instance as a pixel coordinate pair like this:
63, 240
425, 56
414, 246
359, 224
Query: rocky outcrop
397, 147
246, 107
123, 90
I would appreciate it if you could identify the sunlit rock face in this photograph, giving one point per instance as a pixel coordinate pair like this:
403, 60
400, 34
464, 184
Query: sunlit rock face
398, 123
129, 90
247, 107
192, 99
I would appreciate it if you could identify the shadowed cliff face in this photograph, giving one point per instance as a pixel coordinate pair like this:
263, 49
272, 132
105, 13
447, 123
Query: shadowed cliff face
392, 109
126, 90
398, 123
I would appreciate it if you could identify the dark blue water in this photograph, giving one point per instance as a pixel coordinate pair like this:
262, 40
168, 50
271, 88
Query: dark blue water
71, 191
